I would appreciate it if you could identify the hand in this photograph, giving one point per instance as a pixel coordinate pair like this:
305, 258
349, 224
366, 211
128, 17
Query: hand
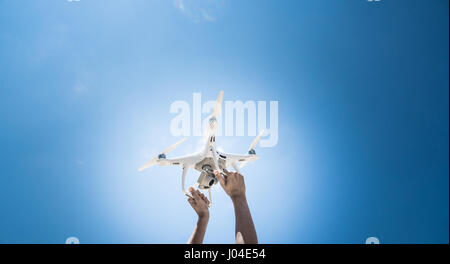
233, 183
199, 203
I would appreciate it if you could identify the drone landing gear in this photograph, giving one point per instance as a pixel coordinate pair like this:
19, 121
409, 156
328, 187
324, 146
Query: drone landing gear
210, 197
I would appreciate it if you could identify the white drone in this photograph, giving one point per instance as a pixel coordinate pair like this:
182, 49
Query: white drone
209, 159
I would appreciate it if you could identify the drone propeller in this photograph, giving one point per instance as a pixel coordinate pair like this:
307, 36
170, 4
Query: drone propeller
169, 149
216, 111
153, 161
218, 106
253, 145
251, 149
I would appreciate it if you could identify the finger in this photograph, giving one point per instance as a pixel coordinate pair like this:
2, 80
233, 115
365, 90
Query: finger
222, 181
191, 201
232, 176
202, 197
205, 199
195, 194
217, 174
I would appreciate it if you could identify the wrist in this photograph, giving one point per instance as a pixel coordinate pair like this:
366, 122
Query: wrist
238, 197
203, 217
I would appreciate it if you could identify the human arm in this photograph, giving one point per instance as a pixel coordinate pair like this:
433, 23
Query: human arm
234, 185
199, 203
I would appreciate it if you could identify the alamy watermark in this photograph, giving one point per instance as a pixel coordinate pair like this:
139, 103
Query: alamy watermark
237, 119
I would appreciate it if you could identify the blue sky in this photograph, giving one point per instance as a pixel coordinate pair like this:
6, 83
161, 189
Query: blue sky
85, 91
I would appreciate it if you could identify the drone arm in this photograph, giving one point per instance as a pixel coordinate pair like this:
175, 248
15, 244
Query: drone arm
234, 159
215, 158
235, 167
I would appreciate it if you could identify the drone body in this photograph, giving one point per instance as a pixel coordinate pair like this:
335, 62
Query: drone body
207, 160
